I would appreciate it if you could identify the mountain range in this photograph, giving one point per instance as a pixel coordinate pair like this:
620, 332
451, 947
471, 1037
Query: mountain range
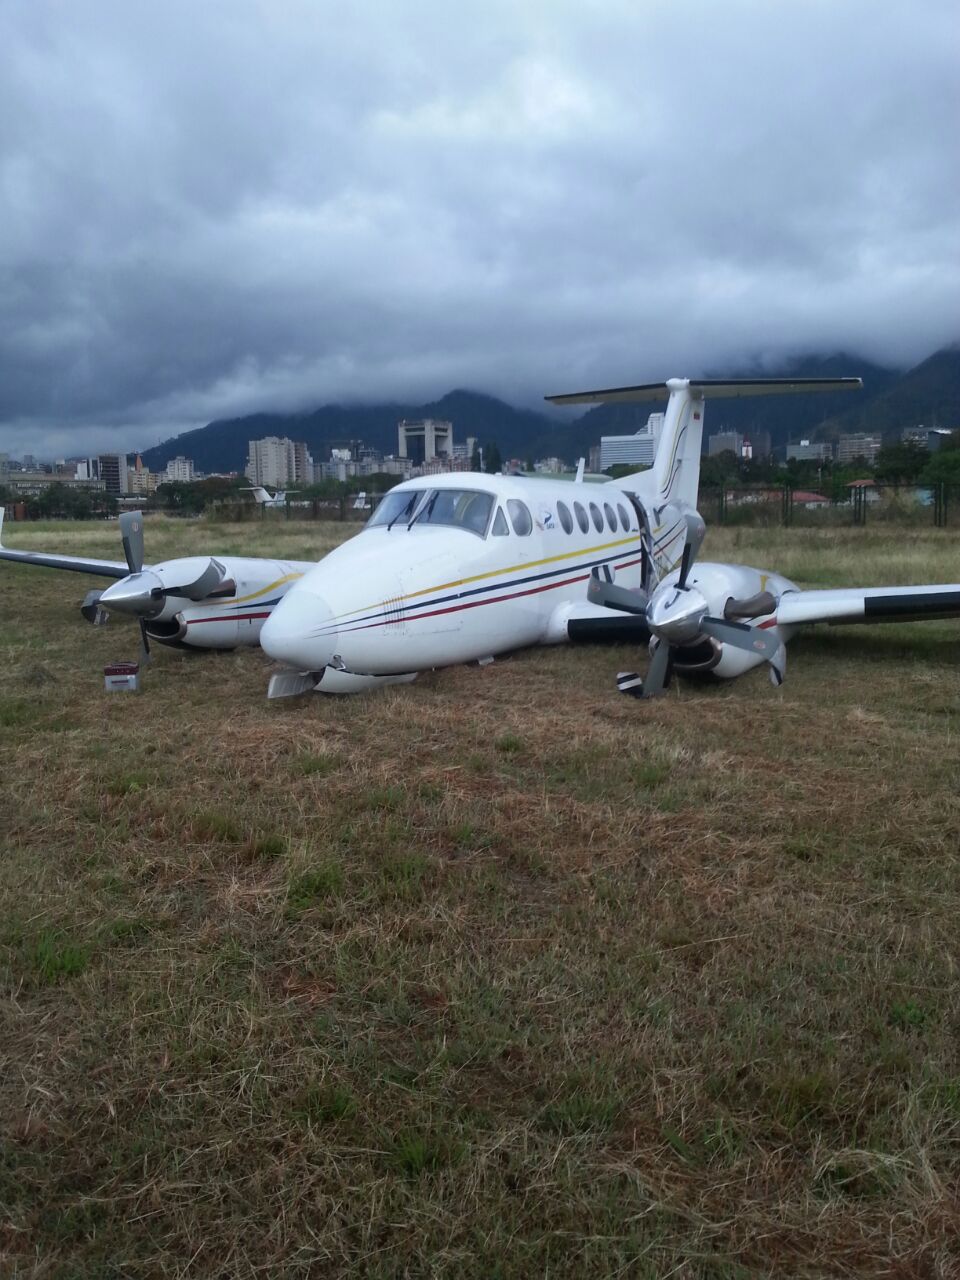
929, 394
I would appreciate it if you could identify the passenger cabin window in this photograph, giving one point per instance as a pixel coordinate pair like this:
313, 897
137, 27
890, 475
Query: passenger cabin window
563, 511
624, 518
458, 508
582, 520
596, 517
611, 518
500, 528
519, 517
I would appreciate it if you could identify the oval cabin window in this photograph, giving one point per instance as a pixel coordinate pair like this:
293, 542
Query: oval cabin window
596, 517
581, 515
519, 517
563, 511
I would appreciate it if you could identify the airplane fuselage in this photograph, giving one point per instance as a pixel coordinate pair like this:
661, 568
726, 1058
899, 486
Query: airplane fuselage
460, 567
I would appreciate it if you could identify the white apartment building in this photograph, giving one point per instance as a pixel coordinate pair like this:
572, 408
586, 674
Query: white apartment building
636, 450
279, 462
180, 470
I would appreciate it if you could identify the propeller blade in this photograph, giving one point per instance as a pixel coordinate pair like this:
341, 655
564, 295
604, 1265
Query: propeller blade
614, 597
685, 565
201, 587
144, 644
658, 672
92, 609
131, 534
742, 636
696, 532
757, 606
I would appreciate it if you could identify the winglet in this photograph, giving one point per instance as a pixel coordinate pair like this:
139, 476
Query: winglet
580, 468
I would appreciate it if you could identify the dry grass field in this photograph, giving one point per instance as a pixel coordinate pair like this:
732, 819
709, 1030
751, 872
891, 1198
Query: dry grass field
499, 974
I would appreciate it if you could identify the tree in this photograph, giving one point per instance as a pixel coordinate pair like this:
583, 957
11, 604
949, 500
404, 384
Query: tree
475, 464
492, 462
901, 463
943, 468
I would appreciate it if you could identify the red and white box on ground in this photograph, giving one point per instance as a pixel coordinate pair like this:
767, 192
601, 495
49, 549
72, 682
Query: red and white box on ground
121, 677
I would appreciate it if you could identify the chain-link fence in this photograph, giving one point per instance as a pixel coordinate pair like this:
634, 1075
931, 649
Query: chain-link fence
863, 502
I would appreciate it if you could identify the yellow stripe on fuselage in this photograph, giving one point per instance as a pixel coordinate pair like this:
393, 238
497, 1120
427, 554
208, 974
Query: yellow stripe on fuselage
494, 573
230, 601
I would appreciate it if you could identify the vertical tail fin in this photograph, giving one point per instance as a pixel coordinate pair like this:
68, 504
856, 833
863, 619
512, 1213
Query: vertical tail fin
675, 476
676, 467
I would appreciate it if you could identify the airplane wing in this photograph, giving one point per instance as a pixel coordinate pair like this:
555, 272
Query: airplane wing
77, 564
869, 604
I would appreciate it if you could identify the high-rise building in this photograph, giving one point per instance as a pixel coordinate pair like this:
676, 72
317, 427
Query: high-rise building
859, 445
303, 471
425, 440
180, 470
279, 462
810, 451
638, 449
725, 442
113, 472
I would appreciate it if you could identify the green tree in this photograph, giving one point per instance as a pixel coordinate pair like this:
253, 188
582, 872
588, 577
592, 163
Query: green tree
943, 467
901, 463
492, 462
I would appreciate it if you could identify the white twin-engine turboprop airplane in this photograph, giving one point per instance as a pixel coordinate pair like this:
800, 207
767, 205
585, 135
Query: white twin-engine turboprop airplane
202, 602
462, 567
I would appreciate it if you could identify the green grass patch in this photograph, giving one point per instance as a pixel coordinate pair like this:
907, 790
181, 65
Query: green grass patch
216, 827
316, 885
56, 958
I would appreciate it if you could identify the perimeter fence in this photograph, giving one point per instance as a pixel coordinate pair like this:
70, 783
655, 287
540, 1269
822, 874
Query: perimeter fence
936, 506
920, 506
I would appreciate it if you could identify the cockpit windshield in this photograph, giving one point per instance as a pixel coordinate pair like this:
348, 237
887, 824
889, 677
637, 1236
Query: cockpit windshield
459, 508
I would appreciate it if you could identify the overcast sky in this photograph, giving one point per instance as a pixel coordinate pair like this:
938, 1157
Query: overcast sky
213, 208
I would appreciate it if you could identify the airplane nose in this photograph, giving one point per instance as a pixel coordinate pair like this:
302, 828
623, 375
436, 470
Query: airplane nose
299, 632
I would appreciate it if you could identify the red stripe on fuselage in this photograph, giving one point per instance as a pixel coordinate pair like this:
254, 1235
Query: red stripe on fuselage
477, 604
236, 617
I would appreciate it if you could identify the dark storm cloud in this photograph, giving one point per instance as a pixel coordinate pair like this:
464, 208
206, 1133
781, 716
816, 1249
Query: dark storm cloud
210, 209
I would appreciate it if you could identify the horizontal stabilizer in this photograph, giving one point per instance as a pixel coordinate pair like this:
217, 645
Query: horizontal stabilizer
708, 389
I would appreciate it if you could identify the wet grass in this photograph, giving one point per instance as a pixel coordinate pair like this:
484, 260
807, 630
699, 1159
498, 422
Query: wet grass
498, 974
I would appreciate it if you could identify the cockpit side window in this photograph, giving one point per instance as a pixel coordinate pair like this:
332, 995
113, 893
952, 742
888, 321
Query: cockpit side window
396, 505
519, 517
460, 508
500, 528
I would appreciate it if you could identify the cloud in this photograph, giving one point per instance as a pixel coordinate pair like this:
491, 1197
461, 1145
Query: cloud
214, 209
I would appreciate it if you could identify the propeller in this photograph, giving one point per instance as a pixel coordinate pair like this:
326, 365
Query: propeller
142, 593
677, 615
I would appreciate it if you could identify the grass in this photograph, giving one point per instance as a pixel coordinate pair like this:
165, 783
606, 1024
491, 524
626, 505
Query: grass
497, 974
